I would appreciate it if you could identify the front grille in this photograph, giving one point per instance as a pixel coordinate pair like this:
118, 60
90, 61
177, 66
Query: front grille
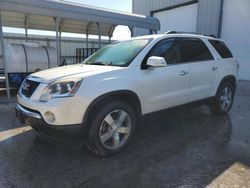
28, 87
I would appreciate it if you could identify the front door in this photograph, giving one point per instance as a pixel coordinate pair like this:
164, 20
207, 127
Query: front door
168, 86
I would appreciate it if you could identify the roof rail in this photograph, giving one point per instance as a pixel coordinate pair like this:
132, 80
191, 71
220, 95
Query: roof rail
179, 32
211, 35
184, 32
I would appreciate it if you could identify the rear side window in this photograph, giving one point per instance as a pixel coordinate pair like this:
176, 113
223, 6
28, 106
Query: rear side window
221, 48
195, 50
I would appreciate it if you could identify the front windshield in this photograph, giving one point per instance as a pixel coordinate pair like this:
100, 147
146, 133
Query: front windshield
118, 54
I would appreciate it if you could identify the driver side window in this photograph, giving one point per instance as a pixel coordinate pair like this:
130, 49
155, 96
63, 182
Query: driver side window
168, 49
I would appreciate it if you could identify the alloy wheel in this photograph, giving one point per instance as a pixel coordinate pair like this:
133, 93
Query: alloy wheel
226, 98
115, 129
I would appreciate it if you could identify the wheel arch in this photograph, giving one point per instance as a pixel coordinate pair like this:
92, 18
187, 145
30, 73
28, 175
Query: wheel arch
127, 96
230, 78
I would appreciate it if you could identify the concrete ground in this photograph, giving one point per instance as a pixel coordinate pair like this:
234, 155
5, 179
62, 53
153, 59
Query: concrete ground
184, 147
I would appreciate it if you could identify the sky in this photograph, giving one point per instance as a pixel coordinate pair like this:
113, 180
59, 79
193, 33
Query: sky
121, 5
120, 33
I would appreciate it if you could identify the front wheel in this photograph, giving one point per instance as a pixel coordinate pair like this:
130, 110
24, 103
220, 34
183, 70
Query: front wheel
223, 100
111, 129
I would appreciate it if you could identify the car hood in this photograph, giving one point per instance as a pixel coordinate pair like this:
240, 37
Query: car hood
79, 70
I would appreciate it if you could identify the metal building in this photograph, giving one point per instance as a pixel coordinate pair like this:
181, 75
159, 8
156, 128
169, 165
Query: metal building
227, 19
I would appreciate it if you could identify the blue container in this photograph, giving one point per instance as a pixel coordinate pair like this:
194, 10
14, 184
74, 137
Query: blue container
16, 79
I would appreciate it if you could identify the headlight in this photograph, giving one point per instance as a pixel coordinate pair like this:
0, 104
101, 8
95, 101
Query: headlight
61, 88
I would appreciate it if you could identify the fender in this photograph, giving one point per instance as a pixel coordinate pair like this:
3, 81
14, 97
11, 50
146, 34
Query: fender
128, 95
231, 77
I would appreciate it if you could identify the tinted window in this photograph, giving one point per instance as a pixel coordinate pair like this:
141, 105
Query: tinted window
195, 50
221, 48
169, 49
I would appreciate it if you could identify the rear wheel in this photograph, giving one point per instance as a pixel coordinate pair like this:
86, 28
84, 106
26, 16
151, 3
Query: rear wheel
111, 129
223, 100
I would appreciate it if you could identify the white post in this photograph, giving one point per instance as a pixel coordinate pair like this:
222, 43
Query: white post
26, 35
4, 59
57, 22
60, 45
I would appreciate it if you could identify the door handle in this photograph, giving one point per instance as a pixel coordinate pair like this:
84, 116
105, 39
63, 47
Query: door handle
183, 73
214, 68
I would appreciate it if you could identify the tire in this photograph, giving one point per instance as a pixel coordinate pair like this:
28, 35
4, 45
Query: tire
111, 129
223, 101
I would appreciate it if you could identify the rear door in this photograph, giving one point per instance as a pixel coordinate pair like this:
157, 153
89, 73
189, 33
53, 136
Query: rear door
168, 86
202, 66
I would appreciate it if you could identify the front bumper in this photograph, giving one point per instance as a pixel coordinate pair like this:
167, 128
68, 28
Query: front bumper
71, 133
67, 111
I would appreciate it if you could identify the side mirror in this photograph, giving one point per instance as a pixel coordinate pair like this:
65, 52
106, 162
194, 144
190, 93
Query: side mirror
155, 61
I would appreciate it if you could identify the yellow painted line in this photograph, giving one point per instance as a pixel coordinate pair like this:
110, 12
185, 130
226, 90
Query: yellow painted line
13, 132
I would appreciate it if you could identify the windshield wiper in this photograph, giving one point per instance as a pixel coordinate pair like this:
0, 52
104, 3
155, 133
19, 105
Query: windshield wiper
99, 63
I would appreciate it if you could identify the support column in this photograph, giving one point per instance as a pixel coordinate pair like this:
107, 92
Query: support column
99, 35
26, 35
87, 44
60, 46
26, 27
111, 30
4, 58
61, 21
220, 19
57, 23
87, 38
47, 42
131, 31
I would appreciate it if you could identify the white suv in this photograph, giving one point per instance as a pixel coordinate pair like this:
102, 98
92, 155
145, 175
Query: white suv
101, 100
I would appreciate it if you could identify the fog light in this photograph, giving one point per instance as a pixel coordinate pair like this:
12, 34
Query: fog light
50, 117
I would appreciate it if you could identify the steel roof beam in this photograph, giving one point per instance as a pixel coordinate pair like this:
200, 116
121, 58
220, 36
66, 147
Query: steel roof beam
79, 12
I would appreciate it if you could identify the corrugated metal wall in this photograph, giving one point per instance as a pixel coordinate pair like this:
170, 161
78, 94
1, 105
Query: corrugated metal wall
209, 16
144, 7
208, 13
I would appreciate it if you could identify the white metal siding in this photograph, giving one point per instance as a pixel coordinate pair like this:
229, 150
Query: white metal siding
144, 7
236, 31
178, 19
208, 17
208, 13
